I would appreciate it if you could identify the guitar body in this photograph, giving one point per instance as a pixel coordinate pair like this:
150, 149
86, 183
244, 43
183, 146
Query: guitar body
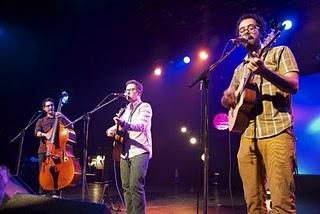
119, 140
61, 168
65, 178
56, 173
116, 151
238, 116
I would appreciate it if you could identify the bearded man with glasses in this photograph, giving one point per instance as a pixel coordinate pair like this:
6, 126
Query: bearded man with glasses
267, 146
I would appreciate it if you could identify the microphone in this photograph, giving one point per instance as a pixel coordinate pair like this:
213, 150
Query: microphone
41, 111
119, 95
241, 39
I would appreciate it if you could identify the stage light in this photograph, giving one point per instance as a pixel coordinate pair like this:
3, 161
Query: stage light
157, 71
203, 55
186, 59
193, 140
220, 121
314, 126
287, 24
183, 129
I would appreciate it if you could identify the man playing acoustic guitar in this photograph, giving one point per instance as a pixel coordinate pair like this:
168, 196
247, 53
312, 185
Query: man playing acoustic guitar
267, 146
137, 146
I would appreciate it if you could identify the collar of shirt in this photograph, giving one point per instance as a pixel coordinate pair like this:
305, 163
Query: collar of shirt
134, 104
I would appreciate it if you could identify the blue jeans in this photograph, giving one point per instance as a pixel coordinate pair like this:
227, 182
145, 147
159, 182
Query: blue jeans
133, 173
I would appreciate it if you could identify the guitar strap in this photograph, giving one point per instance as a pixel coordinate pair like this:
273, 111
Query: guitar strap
133, 111
129, 120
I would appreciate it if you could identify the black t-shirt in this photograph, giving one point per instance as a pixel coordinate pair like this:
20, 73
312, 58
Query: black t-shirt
44, 125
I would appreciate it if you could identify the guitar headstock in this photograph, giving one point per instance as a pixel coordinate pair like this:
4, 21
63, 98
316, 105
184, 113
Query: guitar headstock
272, 36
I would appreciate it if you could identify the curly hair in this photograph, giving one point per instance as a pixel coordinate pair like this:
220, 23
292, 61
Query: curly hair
259, 20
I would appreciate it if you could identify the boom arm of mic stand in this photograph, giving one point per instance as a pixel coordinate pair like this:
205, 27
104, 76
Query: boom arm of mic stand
27, 126
21, 135
205, 74
82, 117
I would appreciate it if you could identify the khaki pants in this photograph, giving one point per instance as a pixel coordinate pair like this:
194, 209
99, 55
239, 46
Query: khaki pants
273, 157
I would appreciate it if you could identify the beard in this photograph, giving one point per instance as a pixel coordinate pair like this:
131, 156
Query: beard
253, 45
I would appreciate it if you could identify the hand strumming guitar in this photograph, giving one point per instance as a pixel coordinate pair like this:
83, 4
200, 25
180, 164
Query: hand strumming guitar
229, 99
118, 121
111, 132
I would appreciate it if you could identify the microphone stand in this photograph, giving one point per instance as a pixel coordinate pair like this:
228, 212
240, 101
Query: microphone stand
21, 134
204, 85
86, 118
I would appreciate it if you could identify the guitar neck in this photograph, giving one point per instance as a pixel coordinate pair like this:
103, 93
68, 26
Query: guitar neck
56, 123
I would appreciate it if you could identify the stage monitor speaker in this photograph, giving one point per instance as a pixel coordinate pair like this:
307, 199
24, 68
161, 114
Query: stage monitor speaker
16, 185
27, 203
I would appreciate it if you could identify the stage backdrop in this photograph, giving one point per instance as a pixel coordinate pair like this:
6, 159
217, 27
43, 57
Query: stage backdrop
306, 109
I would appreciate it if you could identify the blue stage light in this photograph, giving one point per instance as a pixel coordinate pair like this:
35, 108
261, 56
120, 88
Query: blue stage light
287, 24
186, 59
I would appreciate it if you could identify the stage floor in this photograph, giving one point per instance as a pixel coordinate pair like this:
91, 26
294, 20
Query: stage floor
183, 201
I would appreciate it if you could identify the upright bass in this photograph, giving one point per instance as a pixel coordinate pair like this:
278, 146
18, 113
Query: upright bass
60, 168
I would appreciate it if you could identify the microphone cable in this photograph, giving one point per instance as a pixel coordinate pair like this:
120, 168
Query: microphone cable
117, 185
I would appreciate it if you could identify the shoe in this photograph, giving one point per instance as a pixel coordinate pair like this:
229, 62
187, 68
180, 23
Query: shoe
55, 196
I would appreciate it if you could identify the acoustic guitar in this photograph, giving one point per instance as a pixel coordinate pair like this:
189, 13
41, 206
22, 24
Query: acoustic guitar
119, 139
246, 95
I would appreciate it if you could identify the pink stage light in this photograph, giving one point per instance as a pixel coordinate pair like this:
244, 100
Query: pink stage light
220, 121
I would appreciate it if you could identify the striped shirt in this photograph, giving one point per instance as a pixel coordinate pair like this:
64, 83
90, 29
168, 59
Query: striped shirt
272, 112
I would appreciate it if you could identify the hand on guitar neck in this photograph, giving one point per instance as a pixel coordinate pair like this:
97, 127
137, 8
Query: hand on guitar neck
256, 64
288, 82
117, 131
117, 134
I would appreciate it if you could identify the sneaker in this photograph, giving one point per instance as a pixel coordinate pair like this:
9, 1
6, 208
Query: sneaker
55, 196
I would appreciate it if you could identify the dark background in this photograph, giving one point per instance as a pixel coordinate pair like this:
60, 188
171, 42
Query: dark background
90, 48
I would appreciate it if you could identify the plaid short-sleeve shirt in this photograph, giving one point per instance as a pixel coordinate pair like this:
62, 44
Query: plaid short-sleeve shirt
272, 112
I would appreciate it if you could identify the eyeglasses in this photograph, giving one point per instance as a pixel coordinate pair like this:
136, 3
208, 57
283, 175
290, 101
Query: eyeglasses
47, 106
129, 90
251, 28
